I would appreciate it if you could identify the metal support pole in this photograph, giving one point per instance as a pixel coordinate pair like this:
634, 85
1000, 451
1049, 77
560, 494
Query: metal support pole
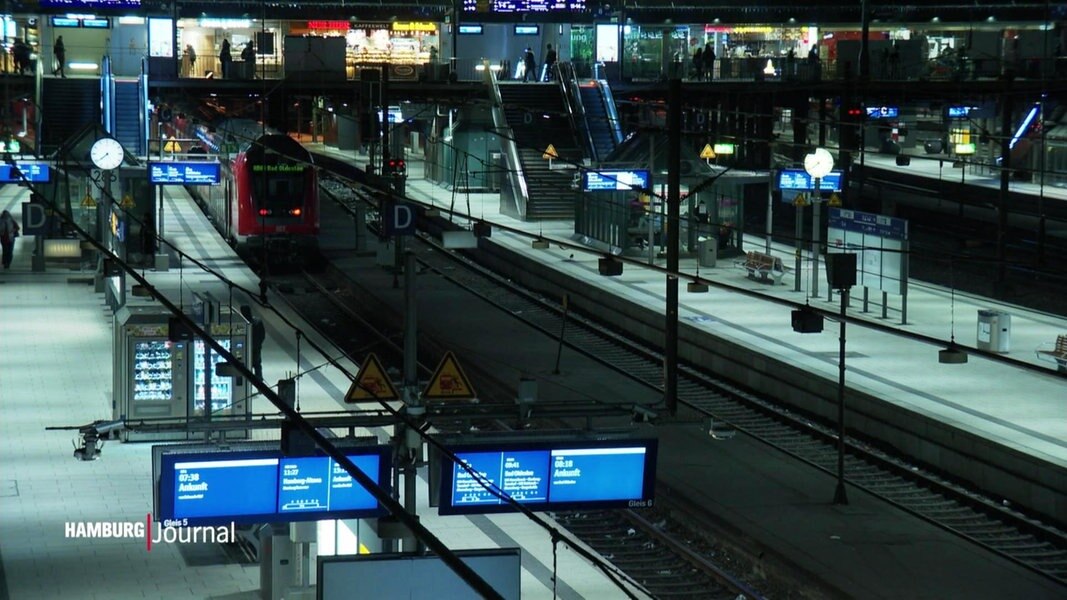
840, 495
816, 215
412, 443
770, 213
799, 234
1002, 202
674, 166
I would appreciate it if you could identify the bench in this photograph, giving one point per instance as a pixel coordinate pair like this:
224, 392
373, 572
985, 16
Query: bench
764, 267
1058, 354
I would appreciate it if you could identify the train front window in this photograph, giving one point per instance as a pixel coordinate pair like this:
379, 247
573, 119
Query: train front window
278, 190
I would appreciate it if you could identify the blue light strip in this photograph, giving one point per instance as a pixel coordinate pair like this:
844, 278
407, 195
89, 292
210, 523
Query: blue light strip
1025, 125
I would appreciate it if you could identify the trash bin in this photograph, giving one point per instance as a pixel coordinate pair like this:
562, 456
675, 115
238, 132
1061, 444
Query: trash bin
994, 331
707, 252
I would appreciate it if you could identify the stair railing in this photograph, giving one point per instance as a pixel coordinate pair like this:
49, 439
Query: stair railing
516, 190
609, 106
572, 97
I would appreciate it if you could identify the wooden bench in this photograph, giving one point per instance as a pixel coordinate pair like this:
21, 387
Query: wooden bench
764, 267
1058, 353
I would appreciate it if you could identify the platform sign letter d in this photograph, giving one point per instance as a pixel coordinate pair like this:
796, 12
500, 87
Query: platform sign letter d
34, 218
403, 219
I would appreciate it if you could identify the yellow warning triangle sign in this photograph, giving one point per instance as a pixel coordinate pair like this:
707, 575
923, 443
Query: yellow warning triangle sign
707, 152
550, 153
449, 382
127, 201
800, 200
371, 383
834, 200
88, 202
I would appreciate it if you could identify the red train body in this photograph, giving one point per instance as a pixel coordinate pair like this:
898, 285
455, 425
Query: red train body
267, 201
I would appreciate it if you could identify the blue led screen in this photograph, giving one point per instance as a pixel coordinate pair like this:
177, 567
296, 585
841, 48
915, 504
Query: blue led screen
263, 486
608, 180
182, 173
550, 476
882, 112
25, 171
799, 180
91, 4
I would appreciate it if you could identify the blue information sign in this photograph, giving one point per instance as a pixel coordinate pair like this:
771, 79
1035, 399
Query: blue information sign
25, 171
799, 180
183, 173
550, 476
614, 180
883, 112
209, 488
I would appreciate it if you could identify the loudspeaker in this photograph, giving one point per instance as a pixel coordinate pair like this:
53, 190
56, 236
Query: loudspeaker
610, 267
903, 160
841, 270
295, 442
482, 229
806, 320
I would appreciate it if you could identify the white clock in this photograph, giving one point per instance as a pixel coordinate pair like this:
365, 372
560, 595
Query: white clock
819, 163
107, 153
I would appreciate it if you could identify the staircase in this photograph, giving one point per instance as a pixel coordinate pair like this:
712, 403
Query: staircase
537, 115
597, 120
127, 116
67, 105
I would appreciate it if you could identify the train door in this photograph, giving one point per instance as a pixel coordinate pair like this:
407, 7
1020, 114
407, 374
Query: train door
231, 206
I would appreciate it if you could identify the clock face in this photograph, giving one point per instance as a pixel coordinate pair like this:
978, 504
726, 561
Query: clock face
819, 163
107, 153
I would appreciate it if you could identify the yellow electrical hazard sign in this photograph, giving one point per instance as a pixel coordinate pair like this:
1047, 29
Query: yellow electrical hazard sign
707, 152
88, 202
800, 200
449, 382
371, 383
127, 201
834, 200
550, 153
172, 146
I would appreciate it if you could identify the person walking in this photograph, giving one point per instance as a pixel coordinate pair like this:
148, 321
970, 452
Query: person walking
225, 59
9, 230
550, 62
530, 63
60, 52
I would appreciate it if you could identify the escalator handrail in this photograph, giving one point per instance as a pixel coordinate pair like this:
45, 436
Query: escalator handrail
609, 106
568, 83
516, 176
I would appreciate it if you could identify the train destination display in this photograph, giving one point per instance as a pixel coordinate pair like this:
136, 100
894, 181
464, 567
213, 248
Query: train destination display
183, 173
799, 180
609, 180
550, 475
259, 486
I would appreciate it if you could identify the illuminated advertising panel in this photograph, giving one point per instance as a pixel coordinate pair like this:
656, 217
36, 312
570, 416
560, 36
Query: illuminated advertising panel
260, 486
548, 476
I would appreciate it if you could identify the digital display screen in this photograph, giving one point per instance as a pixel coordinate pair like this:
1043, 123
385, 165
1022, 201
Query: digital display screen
798, 179
65, 22
470, 29
550, 475
959, 112
882, 112
521, 6
263, 486
599, 181
181, 173
96, 23
527, 29
32, 172
91, 4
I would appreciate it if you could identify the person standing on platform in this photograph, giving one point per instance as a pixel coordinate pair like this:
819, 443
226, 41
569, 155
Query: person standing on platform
248, 55
709, 61
225, 59
698, 64
530, 64
60, 51
550, 62
21, 52
9, 230
191, 55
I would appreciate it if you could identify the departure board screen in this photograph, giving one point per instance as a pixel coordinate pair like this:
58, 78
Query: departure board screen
25, 171
608, 180
183, 173
523, 6
799, 180
91, 4
263, 486
549, 476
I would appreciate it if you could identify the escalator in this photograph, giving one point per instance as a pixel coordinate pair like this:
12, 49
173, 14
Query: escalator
538, 116
127, 125
67, 105
602, 127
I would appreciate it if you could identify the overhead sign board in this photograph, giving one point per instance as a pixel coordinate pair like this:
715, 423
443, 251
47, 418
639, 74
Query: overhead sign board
883, 112
799, 180
549, 475
25, 171
262, 486
183, 173
616, 180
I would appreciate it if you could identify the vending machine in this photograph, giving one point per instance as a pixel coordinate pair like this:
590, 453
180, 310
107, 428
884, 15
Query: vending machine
160, 386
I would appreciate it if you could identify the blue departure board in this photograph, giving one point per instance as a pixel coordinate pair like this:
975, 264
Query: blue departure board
615, 180
799, 180
183, 173
91, 4
550, 476
263, 486
521, 6
25, 171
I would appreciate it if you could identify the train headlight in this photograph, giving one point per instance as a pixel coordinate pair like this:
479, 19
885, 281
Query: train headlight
295, 212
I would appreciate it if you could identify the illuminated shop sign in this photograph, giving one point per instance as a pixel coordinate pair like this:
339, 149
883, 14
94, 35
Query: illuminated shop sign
883, 112
328, 25
213, 23
527, 30
371, 26
604, 180
91, 4
549, 475
420, 26
181, 173
742, 29
263, 486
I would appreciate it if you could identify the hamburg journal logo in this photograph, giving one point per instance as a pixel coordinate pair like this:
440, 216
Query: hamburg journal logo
167, 532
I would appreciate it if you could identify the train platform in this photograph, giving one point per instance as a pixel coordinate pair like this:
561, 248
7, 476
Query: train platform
781, 508
56, 370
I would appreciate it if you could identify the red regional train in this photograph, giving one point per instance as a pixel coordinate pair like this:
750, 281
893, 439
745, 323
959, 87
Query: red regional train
267, 202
